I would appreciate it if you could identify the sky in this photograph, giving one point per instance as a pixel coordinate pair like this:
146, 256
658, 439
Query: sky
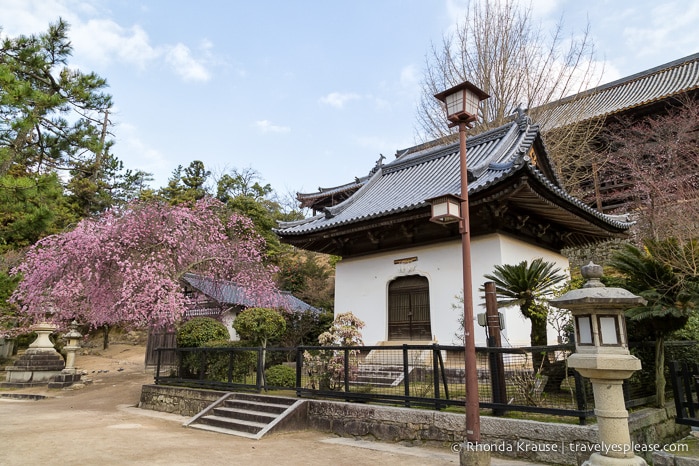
307, 93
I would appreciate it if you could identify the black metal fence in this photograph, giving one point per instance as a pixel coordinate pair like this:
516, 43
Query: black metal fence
685, 386
409, 375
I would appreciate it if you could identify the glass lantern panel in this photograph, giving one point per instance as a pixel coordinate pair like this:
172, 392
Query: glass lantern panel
584, 330
455, 103
439, 209
453, 207
472, 103
608, 331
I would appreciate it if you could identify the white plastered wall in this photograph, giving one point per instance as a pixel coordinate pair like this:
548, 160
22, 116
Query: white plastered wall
361, 285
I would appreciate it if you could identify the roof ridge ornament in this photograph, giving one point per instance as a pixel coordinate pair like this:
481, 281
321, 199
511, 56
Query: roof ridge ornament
379, 164
522, 119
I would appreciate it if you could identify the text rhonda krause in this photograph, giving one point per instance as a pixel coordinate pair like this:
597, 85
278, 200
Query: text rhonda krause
603, 448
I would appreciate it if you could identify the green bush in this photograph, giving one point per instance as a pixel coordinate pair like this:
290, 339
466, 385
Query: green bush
280, 376
198, 331
241, 363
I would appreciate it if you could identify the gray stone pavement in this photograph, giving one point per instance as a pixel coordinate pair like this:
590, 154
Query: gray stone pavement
101, 425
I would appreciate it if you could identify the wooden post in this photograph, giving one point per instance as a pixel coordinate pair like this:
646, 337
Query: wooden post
497, 367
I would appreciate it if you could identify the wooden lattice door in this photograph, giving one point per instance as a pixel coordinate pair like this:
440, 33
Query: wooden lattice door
409, 309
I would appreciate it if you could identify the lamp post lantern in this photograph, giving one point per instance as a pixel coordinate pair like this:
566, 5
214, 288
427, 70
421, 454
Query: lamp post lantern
461, 104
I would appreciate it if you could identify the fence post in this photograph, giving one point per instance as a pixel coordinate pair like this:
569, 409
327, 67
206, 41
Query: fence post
580, 396
444, 375
299, 368
202, 363
346, 368
435, 375
406, 376
498, 388
260, 370
676, 380
157, 365
231, 356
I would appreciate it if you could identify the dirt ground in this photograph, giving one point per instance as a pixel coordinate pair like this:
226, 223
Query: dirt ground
100, 424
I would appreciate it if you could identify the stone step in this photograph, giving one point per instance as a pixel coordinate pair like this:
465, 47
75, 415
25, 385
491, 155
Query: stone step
245, 414
234, 425
222, 430
260, 406
267, 399
242, 414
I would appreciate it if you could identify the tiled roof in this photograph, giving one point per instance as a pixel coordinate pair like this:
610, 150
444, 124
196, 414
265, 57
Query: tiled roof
229, 293
407, 182
677, 77
324, 192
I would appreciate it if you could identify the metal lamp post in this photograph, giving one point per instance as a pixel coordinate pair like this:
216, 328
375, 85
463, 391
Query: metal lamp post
462, 103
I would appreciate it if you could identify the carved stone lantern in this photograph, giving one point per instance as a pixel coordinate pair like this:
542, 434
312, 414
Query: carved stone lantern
73, 337
602, 355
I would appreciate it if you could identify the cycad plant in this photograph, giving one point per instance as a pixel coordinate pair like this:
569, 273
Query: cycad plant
671, 296
528, 285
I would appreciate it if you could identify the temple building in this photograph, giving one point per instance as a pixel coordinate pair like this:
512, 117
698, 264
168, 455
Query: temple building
401, 273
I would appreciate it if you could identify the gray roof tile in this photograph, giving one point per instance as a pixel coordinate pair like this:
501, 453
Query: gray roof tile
229, 293
407, 182
655, 84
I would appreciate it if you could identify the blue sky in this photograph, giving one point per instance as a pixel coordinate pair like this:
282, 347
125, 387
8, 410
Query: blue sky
307, 93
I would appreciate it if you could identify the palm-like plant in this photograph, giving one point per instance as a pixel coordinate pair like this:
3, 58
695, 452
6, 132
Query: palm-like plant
671, 297
528, 285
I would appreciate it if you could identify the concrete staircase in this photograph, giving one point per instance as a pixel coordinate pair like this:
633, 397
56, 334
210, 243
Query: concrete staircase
380, 375
246, 415
384, 368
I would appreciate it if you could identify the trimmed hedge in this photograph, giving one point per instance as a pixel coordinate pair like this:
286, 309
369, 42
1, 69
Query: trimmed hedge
198, 331
280, 376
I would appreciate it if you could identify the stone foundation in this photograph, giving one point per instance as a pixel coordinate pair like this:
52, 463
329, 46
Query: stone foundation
564, 444
34, 367
183, 401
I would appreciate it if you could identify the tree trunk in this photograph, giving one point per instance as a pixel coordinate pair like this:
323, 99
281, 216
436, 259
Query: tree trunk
264, 357
660, 371
105, 336
538, 337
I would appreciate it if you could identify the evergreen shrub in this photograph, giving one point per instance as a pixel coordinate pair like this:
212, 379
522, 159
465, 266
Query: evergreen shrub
280, 376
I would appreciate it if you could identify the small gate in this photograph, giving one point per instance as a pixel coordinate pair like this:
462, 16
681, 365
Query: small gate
161, 339
685, 387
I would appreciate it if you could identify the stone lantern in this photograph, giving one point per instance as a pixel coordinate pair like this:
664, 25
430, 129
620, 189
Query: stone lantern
602, 355
73, 338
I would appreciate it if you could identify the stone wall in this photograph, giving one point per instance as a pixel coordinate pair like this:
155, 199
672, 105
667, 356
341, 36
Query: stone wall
177, 400
655, 427
564, 444
538, 441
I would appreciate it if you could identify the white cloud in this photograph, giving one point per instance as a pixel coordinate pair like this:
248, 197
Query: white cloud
137, 154
186, 66
266, 126
33, 16
667, 27
543, 8
96, 38
338, 99
103, 41
410, 78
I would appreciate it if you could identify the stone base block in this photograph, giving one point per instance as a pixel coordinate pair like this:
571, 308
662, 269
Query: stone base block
596, 459
474, 458
22, 384
64, 380
18, 375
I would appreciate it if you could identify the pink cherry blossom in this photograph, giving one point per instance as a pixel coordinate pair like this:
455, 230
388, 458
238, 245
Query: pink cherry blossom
124, 268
